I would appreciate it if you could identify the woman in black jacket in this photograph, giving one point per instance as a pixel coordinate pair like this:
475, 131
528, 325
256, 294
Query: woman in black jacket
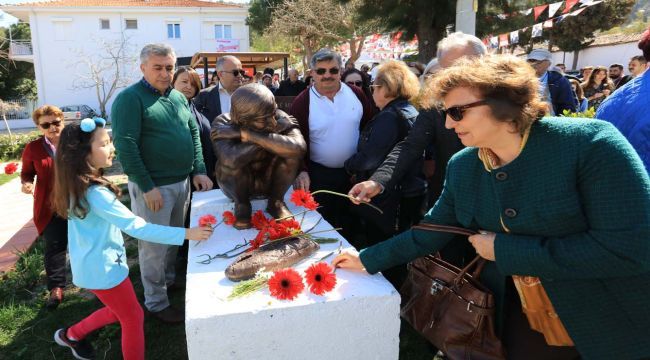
394, 86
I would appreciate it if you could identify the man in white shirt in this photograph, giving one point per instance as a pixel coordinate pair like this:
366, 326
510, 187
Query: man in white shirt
330, 115
215, 100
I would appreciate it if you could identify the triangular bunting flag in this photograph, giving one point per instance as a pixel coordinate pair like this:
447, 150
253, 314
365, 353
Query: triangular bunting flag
525, 29
548, 24
514, 37
560, 18
502, 16
553, 8
539, 10
494, 42
577, 12
537, 30
503, 40
568, 5
526, 12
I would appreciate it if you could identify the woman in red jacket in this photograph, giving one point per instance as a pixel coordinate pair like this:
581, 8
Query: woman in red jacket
38, 161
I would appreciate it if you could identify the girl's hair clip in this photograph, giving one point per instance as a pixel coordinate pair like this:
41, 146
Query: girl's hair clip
89, 125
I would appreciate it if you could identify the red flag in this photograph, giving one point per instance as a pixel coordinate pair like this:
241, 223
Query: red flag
539, 10
568, 5
503, 40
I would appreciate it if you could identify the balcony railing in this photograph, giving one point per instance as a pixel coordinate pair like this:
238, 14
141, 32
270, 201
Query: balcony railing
20, 48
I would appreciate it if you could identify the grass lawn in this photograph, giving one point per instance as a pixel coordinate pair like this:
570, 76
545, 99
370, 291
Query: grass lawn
4, 178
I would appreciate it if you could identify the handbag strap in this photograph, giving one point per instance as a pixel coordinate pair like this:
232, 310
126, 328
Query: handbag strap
478, 262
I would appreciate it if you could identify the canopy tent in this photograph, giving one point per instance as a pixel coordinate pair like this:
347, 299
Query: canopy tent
208, 60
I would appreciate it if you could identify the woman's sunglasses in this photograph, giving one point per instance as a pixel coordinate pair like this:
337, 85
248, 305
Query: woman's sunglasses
333, 71
456, 112
47, 125
358, 83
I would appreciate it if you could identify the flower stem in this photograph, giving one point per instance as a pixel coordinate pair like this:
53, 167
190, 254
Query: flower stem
349, 197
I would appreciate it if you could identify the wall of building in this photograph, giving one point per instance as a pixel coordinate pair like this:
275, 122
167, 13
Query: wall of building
599, 55
64, 42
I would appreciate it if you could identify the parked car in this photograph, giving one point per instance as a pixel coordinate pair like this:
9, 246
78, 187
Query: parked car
77, 112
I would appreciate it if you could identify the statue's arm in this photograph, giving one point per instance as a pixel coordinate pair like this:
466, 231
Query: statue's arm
289, 145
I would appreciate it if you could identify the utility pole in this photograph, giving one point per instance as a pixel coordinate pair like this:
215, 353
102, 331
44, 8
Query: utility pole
466, 16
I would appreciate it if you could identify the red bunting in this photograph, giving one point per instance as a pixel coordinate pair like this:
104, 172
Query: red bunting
503, 40
539, 10
568, 5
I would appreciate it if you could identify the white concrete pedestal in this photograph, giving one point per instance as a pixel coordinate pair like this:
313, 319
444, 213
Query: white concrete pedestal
358, 320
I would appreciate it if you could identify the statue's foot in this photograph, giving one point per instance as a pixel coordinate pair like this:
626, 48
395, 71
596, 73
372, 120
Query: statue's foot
242, 216
278, 209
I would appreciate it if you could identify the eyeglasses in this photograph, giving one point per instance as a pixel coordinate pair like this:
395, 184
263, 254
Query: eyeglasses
89, 125
357, 83
47, 125
456, 112
236, 72
333, 71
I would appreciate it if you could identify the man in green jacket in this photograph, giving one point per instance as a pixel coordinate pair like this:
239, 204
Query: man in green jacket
158, 144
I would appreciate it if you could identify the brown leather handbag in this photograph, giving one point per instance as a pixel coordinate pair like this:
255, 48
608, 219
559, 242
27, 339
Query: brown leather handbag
449, 306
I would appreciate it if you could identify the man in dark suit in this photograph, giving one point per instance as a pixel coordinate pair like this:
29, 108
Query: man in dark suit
215, 100
291, 86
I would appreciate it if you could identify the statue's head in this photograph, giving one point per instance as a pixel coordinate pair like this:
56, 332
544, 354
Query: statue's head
253, 107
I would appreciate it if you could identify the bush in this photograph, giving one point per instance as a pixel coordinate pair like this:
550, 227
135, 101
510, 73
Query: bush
13, 149
590, 113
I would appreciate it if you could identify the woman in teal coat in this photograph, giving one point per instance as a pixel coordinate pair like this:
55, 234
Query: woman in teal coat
563, 200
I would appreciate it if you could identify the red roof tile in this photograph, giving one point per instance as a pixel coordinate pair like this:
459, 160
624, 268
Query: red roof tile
130, 3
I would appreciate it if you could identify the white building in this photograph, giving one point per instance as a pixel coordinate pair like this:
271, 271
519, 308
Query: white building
67, 35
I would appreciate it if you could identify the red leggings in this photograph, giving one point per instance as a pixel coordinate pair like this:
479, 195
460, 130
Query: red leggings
121, 305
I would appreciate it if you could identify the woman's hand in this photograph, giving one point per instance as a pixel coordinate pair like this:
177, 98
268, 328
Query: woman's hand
27, 188
199, 233
347, 261
483, 243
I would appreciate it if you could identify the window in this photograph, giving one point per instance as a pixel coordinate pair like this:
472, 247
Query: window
173, 31
104, 24
223, 31
131, 24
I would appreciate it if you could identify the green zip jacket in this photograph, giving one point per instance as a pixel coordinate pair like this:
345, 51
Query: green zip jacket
577, 204
155, 136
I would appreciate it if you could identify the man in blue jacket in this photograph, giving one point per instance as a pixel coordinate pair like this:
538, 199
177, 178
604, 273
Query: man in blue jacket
554, 87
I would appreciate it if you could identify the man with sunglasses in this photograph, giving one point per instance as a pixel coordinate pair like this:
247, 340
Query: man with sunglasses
330, 115
215, 100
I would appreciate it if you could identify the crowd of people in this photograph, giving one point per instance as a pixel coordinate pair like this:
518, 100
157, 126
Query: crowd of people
471, 139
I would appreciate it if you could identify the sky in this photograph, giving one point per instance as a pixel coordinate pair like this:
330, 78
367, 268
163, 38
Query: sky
6, 19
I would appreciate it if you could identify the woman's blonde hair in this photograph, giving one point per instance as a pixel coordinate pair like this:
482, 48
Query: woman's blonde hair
397, 80
508, 83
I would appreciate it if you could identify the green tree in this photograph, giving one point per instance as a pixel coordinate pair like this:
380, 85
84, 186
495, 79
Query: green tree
16, 77
425, 19
571, 34
260, 14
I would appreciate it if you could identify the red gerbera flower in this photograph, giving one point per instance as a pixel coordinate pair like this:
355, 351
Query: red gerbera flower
320, 278
303, 198
291, 224
258, 241
228, 217
259, 221
286, 284
208, 220
11, 168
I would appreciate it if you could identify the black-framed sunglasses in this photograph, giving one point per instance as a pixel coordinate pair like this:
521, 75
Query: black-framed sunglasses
236, 72
332, 71
456, 112
47, 125
357, 83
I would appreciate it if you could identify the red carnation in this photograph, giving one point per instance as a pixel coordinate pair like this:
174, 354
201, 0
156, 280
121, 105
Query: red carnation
228, 217
291, 224
11, 168
320, 278
303, 198
259, 221
286, 284
207, 220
